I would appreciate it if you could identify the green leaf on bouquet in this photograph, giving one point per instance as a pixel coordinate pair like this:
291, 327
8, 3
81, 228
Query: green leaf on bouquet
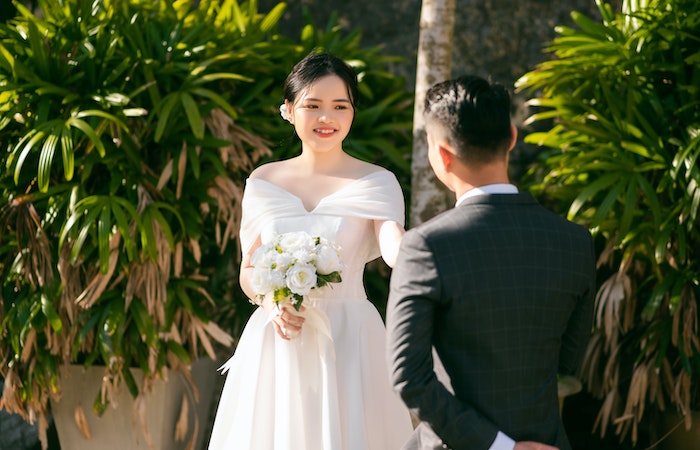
324, 279
297, 301
281, 295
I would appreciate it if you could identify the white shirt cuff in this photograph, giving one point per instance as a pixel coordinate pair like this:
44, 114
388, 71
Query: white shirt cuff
502, 442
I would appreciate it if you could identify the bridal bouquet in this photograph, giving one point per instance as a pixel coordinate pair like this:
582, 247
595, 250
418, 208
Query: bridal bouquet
293, 264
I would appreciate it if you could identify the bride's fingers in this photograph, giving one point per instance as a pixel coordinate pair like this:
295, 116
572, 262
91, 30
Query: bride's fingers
290, 317
280, 331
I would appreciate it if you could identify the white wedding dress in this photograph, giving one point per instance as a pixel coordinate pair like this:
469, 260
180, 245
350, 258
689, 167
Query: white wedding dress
327, 389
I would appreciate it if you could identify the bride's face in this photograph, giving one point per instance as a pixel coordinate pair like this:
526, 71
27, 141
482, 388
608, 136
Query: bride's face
322, 115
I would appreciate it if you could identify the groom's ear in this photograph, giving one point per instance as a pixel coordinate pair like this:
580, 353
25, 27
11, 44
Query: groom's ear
446, 155
513, 137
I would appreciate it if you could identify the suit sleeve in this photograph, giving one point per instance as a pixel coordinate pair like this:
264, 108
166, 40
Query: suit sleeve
578, 329
413, 300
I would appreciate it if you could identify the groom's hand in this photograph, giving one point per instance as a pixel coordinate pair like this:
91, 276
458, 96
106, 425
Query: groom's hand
528, 445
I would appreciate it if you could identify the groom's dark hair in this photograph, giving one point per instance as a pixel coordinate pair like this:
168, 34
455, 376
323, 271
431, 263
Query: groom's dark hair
473, 115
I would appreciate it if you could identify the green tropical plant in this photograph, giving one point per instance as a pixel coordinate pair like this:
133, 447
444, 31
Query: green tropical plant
128, 129
619, 111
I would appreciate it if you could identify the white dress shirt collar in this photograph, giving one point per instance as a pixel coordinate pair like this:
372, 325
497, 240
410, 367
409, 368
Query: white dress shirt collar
498, 188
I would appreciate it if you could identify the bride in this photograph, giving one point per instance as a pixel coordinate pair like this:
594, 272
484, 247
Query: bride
316, 379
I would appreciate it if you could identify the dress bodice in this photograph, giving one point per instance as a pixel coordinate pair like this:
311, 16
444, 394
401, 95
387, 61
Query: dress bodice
345, 217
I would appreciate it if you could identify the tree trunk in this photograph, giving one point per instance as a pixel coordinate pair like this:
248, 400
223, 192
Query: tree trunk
434, 64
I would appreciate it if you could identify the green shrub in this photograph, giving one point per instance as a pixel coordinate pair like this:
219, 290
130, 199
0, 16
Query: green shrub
620, 107
128, 129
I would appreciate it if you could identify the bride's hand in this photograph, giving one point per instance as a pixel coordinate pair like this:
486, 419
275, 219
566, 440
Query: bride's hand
288, 321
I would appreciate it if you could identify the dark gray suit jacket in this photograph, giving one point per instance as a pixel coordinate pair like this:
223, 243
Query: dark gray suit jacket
503, 290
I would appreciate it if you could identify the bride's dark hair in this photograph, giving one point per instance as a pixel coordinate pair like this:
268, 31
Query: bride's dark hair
314, 66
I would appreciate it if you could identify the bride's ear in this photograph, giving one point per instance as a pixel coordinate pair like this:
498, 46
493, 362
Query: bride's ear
290, 111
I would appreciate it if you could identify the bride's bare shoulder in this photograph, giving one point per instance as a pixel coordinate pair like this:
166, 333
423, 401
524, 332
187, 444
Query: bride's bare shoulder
364, 168
270, 170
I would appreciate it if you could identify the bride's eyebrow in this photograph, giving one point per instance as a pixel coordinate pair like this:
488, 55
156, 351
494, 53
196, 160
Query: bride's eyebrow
338, 100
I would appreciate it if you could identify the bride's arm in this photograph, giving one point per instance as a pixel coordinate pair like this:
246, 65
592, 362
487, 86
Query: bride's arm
389, 234
244, 276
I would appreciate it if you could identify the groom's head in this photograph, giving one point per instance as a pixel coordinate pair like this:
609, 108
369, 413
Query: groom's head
472, 116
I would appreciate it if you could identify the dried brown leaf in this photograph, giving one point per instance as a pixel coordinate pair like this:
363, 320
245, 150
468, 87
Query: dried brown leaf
28, 345
181, 166
181, 427
165, 175
81, 422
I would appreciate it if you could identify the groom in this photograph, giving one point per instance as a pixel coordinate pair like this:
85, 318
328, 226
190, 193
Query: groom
501, 288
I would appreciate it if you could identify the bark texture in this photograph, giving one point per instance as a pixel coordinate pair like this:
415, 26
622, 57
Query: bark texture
434, 64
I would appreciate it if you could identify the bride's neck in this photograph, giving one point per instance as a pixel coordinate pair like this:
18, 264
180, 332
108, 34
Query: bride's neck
324, 163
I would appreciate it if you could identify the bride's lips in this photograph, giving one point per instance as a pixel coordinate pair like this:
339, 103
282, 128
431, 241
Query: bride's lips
325, 132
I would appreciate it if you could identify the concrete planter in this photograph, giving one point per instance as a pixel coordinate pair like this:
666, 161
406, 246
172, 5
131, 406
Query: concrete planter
115, 430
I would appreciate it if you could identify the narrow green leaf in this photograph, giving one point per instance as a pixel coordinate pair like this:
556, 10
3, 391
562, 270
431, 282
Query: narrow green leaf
662, 240
216, 98
179, 351
67, 153
193, 116
33, 137
273, 17
164, 110
604, 207
38, 49
9, 58
105, 115
51, 314
104, 228
193, 158
629, 209
144, 322
238, 17
124, 229
45, 161
89, 132
148, 239
639, 150
83, 232
130, 381
651, 198
590, 191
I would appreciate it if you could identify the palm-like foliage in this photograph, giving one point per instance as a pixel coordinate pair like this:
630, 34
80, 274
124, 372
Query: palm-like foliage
621, 104
127, 129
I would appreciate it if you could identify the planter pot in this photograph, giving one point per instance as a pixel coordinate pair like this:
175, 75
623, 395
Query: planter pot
678, 437
115, 429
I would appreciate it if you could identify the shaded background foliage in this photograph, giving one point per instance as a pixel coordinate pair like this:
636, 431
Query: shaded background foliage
128, 130
620, 110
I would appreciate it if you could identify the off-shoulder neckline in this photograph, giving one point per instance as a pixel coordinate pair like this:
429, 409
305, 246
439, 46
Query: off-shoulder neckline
332, 194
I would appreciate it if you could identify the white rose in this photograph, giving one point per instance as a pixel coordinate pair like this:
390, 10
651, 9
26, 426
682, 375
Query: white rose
327, 259
283, 260
263, 256
266, 280
301, 278
303, 256
294, 241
